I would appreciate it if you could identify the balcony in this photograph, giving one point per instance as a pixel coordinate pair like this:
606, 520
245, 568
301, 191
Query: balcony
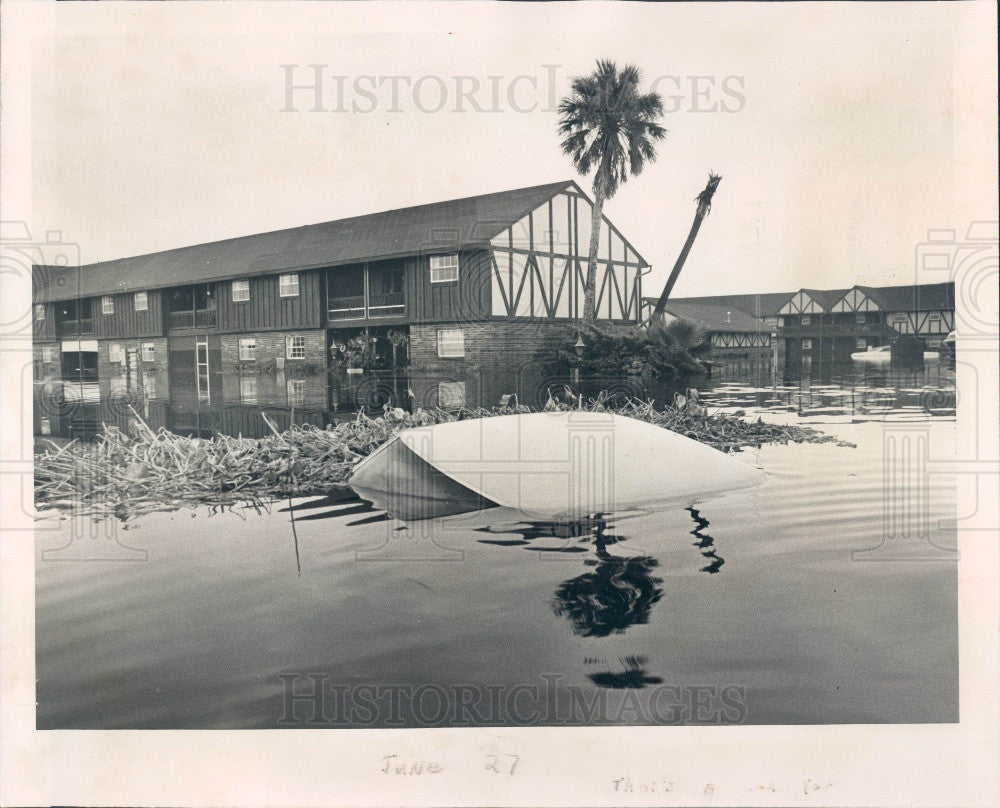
347, 307
832, 330
201, 318
191, 306
391, 304
75, 328
364, 291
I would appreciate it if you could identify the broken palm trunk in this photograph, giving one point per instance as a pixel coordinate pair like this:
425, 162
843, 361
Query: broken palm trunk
704, 200
565, 465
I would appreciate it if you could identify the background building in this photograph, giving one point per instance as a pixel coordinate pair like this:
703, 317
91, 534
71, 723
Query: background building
741, 342
443, 304
817, 330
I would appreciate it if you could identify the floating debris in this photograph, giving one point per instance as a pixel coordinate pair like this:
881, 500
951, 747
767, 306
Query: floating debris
126, 474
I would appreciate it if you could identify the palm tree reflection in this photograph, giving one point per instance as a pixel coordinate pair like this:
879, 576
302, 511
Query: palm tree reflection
634, 676
617, 593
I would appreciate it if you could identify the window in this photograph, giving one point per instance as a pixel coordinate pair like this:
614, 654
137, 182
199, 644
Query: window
934, 343
148, 352
781, 322
48, 354
451, 395
39, 311
807, 344
141, 301
248, 389
451, 343
806, 319
295, 347
116, 354
149, 385
444, 268
241, 291
860, 318
288, 285
296, 392
861, 344
248, 349
107, 305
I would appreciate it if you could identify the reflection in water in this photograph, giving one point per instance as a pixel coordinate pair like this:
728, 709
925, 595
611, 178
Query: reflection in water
858, 394
633, 676
592, 529
705, 542
618, 593
342, 501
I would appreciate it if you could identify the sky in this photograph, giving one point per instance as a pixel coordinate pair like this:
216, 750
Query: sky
843, 132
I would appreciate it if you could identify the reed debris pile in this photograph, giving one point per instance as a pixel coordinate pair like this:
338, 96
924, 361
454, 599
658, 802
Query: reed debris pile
124, 474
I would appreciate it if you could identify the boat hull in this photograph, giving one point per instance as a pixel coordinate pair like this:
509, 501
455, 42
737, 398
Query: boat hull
561, 464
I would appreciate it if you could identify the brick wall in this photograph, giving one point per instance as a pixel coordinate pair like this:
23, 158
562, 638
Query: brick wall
266, 378
112, 375
500, 358
47, 361
46, 398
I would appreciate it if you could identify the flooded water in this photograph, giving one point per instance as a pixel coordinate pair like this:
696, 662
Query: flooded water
826, 595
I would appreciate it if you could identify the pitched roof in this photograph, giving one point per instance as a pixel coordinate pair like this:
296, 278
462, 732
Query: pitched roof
759, 305
439, 226
716, 318
918, 297
912, 298
826, 298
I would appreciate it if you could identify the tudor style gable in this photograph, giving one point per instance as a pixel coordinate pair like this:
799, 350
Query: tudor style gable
855, 300
539, 264
801, 303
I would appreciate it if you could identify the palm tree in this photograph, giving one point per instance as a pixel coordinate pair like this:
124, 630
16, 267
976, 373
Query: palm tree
704, 200
677, 350
608, 125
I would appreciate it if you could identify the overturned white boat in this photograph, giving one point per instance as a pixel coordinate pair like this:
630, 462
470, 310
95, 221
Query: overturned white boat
876, 354
553, 464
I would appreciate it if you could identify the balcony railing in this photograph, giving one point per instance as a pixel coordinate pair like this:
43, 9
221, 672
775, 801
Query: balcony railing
202, 318
349, 308
388, 305
346, 308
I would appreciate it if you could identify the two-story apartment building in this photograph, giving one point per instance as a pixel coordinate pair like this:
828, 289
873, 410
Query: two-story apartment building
819, 329
444, 304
